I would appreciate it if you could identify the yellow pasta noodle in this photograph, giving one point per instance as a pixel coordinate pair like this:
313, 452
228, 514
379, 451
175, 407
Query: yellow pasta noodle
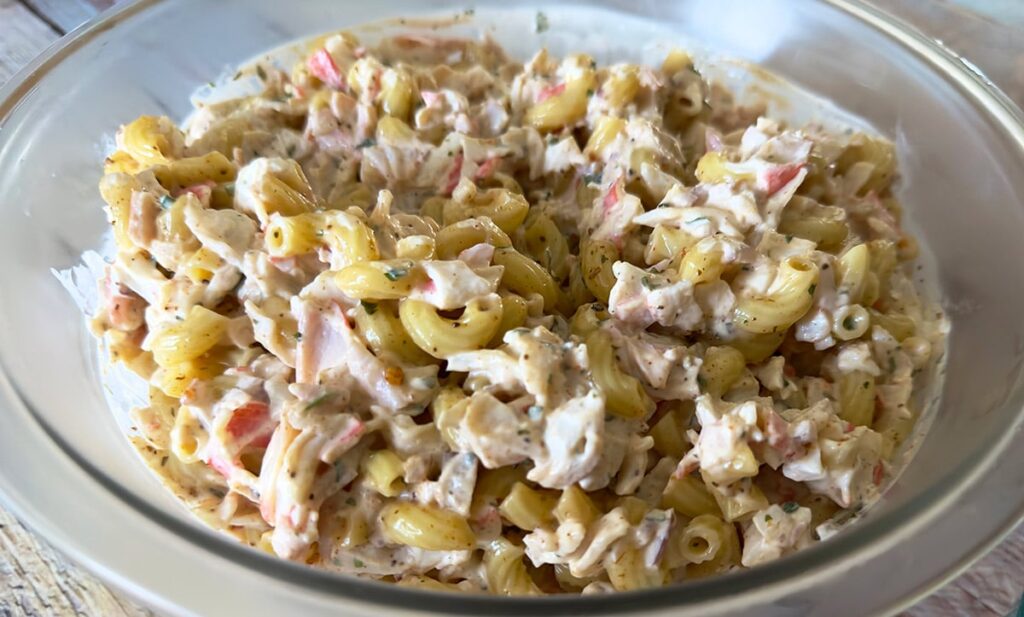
739, 499
621, 86
856, 394
293, 235
850, 322
457, 237
562, 109
713, 167
379, 280
676, 60
347, 235
546, 245
176, 378
597, 258
396, 93
899, 326
624, 396
701, 264
710, 544
513, 315
690, 497
604, 133
415, 247
442, 336
116, 190
187, 435
494, 485
151, 140
383, 332
383, 471
721, 368
355, 529
525, 276
669, 433
852, 270
506, 571
629, 572
190, 338
526, 508
824, 225
667, 243
201, 265
426, 527
285, 192
575, 505
786, 302
182, 173
506, 209
447, 409
876, 152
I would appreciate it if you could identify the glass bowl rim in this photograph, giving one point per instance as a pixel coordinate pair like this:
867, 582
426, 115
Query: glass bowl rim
971, 83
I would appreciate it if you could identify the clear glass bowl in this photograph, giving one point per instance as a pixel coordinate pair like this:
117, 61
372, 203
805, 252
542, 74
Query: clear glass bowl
66, 469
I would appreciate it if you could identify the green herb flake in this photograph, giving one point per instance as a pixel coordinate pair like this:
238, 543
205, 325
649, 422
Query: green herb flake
768, 518
393, 274
320, 399
810, 290
358, 563
590, 92
541, 22
701, 382
351, 501
789, 238
866, 385
648, 283
366, 143
298, 336
790, 507
849, 323
261, 73
369, 307
166, 201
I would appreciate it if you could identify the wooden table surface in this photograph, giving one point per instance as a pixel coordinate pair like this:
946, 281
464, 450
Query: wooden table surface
36, 580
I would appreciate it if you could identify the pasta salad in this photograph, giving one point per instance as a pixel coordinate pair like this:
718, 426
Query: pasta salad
425, 314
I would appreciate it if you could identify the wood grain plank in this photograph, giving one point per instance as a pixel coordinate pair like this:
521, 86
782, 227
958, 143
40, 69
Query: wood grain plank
66, 15
22, 37
992, 587
36, 581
